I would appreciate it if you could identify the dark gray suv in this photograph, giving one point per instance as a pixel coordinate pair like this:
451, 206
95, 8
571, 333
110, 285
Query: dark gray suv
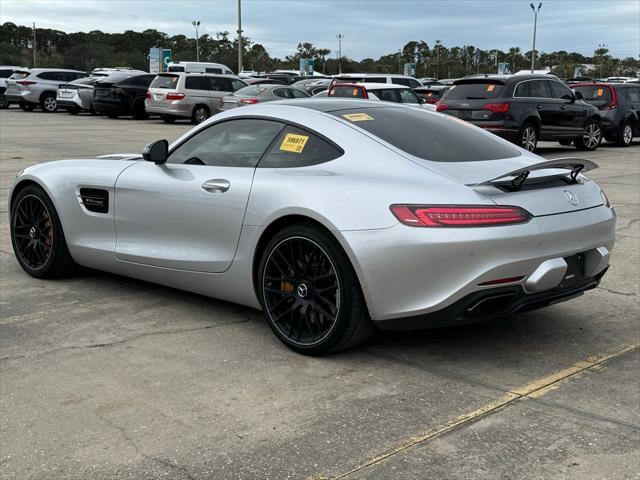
525, 109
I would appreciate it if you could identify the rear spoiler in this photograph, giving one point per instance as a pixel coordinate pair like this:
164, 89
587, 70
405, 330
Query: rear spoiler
519, 176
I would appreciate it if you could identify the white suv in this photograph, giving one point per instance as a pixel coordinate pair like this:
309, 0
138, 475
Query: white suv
5, 72
38, 87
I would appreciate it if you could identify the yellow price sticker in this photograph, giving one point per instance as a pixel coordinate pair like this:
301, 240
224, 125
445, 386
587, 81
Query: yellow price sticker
491, 87
293, 143
600, 92
358, 117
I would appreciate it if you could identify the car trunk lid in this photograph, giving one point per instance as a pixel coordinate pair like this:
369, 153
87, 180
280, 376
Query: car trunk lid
475, 99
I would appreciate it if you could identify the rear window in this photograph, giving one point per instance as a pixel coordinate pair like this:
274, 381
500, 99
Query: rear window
251, 91
429, 136
165, 81
396, 95
475, 91
344, 91
5, 73
18, 75
596, 94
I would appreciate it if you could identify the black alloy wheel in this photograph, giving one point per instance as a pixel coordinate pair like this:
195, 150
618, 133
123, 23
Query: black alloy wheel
32, 231
36, 235
310, 294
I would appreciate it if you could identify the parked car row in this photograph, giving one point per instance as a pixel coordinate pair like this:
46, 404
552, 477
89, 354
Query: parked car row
522, 108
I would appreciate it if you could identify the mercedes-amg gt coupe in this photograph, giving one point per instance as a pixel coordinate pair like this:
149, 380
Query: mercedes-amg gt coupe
332, 216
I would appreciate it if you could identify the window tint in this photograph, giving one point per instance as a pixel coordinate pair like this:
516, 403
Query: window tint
401, 81
141, 81
213, 70
237, 84
221, 84
197, 83
19, 75
282, 93
561, 91
598, 95
376, 80
5, 73
475, 91
347, 91
295, 147
632, 94
427, 135
298, 94
49, 76
176, 69
236, 143
165, 81
533, 89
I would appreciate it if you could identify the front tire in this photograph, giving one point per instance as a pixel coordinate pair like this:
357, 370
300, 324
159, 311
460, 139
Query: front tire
528, 137
4, 103
36, 235
590, 138
310, 294
48, 103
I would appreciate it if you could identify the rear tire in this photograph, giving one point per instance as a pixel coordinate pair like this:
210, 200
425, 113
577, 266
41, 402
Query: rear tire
590, 138
139, 112
310, 294
36, 235
528, 137
200, 114
168, 118
625, 137
48, 103
4, 103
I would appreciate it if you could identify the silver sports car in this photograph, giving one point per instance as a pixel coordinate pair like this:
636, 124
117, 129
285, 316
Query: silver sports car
332, 216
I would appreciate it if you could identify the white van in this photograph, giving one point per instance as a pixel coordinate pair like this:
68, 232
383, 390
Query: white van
199, 67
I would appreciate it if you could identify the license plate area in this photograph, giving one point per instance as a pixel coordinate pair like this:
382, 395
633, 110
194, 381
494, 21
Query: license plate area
575, 271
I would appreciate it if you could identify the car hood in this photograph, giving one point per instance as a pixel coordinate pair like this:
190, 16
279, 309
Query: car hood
119, 156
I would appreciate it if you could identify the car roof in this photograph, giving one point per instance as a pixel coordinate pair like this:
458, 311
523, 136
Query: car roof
325, 104
365, 75
39, 70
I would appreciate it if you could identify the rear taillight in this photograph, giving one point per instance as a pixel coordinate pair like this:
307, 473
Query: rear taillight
148, 94
498, 107
174, 96
459, 216
249, 101
26, 82
441, 106
432, 100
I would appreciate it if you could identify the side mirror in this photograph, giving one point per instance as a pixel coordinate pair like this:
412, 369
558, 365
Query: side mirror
423, 100
578, 95
156, 152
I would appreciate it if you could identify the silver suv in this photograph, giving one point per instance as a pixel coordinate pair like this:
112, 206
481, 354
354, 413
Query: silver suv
38, 87
5, 72
189, 95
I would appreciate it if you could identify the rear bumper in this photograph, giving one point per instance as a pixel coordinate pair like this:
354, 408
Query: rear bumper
169, 108
68, 103
410, 272
110, 107
489, 304
24, 96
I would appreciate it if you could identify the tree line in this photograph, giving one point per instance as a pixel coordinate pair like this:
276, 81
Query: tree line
85, 51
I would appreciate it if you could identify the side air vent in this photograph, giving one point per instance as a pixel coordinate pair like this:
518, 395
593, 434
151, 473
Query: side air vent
95, 200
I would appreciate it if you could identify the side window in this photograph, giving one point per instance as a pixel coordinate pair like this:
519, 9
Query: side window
221, 84
539, 89
213, 70
236, 143
560, 91
633, 94
80, 75
295, 147
49, 76
282, 93
237, 84
375, 80
298, 94
141, 81
401, 81
414, 83
522, 90
193, 82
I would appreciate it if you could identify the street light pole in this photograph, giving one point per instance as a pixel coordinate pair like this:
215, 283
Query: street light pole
239, 38
34, 44
340, 37
437, 58
535, 26
196, 24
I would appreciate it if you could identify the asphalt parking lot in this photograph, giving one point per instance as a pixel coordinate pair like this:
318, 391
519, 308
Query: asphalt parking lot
107, 377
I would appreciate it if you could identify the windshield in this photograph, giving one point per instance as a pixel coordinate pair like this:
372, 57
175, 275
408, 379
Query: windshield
475, 91
430, 136
165, 81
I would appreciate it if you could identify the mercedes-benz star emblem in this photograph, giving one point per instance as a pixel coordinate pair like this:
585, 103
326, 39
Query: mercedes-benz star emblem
32, 232
303, 290
571, 197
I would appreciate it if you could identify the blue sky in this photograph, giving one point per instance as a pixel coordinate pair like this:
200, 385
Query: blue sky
370, 27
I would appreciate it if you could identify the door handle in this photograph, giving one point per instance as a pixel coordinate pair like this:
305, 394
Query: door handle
562, 107
216, 185
539, 107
